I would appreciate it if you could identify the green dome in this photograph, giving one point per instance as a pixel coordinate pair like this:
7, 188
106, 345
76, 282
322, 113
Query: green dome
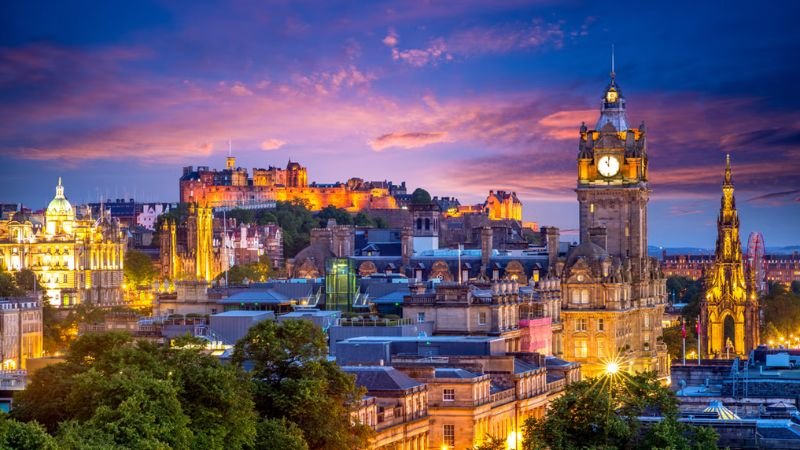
420, 197
59, 205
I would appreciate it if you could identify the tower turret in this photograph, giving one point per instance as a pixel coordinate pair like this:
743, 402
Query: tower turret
731, 314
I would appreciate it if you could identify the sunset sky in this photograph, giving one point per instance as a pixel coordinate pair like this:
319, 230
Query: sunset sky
458, 97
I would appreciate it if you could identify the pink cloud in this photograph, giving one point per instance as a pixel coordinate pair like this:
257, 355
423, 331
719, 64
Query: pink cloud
564, 124
481, 40
272, 144
240, 89
421, 57
390, 39
526, 139
408, 140
507, 38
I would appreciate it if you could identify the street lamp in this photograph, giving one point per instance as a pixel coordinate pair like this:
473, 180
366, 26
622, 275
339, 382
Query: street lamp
612, 368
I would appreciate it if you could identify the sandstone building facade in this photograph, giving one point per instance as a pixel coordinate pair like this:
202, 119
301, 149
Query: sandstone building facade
730, 305
76, 258
233, 186
613, 293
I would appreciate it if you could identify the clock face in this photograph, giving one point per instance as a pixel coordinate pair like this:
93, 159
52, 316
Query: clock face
608, 166
611, 96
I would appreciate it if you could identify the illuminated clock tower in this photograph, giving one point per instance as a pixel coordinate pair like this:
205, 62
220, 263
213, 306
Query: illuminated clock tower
612, 178
613, 294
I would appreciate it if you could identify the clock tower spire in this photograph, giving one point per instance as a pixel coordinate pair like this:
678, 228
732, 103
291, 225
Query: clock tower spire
613, 293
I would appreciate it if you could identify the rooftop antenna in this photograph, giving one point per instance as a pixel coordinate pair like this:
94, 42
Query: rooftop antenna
229, 147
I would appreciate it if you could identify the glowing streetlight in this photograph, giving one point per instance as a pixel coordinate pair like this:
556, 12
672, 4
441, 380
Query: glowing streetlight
612, 368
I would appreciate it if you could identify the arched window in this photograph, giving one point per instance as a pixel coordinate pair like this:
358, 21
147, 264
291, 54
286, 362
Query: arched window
419, 223
427, 224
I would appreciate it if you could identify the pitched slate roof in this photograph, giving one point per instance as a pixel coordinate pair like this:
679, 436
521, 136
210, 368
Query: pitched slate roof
453, 372
381, 378
522, 366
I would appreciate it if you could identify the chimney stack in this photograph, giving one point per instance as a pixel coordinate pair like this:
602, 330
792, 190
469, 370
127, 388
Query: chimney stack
486, 248
598, 235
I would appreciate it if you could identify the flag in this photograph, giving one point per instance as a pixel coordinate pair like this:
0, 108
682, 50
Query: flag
683, 328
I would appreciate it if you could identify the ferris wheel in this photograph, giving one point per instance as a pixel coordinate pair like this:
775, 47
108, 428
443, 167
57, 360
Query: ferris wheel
755, 259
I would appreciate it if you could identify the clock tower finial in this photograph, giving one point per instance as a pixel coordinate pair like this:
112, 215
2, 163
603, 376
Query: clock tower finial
613, 74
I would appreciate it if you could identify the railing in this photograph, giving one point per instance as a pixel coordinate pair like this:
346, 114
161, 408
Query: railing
355, 322
426, 300
503, 397
556, 386
13, 379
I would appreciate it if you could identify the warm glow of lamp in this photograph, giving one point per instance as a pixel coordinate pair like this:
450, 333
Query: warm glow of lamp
612, 368
445, 447
512, 440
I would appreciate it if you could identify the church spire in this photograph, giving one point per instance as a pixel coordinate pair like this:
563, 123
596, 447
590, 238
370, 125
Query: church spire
728, 169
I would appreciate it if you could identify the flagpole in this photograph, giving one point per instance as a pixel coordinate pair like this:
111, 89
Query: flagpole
683, 335
698, 340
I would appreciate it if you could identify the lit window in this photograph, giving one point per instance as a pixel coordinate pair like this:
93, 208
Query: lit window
420, 317
580, 325
449, 435
601, 325
581, 348
601, 348
448, 395
482, 318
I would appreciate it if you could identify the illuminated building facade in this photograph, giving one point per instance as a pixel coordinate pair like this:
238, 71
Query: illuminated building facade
396, 408
613, 293
779, 268
464, 398
499, 205
20, 332
77, 259
249, 242
691, 266
730, 305
234, 186
189, 251
782, 268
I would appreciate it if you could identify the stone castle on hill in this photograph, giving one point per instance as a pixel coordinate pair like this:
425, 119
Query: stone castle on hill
235, 187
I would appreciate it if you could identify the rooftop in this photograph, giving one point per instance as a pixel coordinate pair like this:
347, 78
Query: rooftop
381, 378
454, 372
369, 339
243, 314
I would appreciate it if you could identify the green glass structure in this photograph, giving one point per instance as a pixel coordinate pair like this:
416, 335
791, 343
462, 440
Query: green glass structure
340, 284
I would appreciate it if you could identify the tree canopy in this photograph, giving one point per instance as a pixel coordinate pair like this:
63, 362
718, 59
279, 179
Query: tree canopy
604, 413
293, 380
781, 309
138, 269
116, 392
257, 271
8, 285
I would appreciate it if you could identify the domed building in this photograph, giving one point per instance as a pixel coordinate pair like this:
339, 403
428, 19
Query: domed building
59, 216
77, 258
